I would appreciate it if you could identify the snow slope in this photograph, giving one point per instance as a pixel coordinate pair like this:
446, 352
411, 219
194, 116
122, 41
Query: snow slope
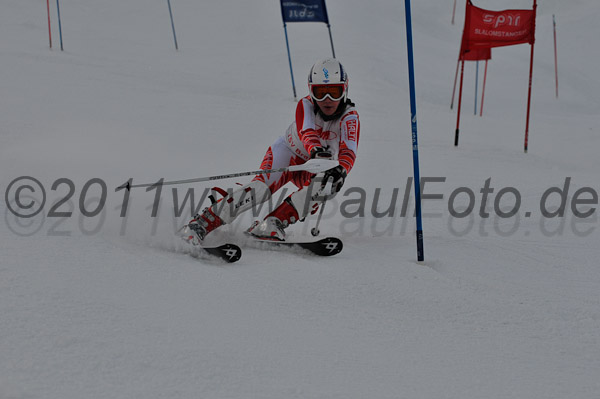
111, 307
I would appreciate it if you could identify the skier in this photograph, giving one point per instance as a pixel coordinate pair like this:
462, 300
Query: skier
326, 126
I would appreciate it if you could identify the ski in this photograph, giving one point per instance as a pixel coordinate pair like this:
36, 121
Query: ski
328, 246
228, 252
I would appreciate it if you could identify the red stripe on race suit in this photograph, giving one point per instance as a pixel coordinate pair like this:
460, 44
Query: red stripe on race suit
346, 157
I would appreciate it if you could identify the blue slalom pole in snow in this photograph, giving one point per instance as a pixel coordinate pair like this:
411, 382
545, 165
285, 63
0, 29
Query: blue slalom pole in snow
415, 142
59, 26
172, 25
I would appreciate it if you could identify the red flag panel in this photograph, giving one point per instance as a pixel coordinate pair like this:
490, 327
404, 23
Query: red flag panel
481, 54
487, 29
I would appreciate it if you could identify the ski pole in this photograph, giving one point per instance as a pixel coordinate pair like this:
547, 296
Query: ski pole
315, 230
311, 166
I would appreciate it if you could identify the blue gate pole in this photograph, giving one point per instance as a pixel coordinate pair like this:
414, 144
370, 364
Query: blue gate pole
59, 26
331, 40
289, 58
415, 142
172, 25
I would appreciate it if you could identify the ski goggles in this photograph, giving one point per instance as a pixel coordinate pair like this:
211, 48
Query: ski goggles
334, 92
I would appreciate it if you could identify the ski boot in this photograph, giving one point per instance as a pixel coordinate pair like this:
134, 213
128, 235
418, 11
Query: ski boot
274, 224
202, 224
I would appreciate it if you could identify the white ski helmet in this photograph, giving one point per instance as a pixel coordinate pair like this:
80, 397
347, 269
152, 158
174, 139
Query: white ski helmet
328, 78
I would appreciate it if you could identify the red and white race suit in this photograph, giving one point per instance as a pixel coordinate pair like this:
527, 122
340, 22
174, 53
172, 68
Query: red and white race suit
339, 136
309, 130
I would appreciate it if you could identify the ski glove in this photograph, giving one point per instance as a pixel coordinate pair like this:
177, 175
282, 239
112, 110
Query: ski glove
338, 174
320, 153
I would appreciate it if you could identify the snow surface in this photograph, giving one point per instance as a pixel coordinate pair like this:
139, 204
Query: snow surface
110, 307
